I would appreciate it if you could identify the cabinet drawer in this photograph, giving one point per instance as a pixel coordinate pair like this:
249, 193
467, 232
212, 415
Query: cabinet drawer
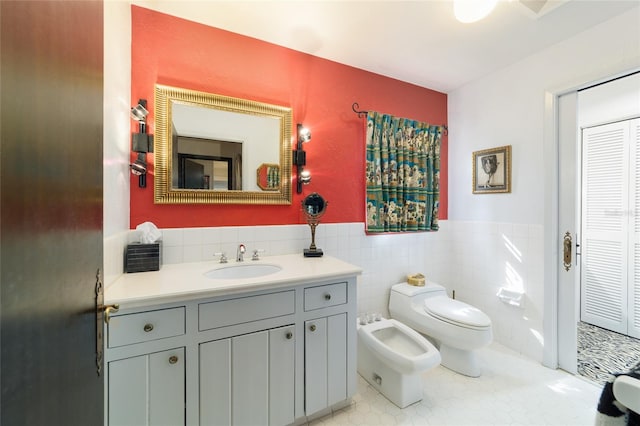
245, 309
324, 296
145, 326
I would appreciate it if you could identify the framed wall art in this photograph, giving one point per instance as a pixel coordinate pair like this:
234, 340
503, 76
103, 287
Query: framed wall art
492, 170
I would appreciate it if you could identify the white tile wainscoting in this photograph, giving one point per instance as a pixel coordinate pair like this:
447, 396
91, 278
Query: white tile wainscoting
473, 258
488, 256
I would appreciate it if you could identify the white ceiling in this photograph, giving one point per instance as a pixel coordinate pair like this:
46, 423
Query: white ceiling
415, 41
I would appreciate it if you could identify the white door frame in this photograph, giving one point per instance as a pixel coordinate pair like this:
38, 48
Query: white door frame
552, 233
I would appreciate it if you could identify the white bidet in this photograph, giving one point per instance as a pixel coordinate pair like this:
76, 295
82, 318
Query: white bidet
392, 356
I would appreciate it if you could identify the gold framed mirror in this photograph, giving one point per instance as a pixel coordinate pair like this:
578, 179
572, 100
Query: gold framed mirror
208, 147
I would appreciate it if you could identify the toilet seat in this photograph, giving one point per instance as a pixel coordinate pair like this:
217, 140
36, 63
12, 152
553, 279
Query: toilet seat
457, 313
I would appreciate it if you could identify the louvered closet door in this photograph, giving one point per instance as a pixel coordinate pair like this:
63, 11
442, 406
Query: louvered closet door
605, 226
634, 237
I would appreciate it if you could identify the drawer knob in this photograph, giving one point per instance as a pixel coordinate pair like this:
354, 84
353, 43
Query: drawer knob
312, 327
173, 359
148, 327
289, 335
327, 296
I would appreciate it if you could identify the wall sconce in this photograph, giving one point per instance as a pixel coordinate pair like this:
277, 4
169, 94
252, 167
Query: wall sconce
300, 157
141, 142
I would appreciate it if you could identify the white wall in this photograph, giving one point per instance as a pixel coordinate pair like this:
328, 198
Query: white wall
508, 108
616, 100
117, 93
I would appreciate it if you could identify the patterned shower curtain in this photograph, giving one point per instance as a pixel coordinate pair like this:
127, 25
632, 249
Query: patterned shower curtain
403, 174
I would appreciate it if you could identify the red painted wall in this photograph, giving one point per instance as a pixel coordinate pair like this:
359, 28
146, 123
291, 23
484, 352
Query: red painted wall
180, 53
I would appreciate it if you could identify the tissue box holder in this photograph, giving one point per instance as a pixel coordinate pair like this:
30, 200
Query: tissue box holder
140, 257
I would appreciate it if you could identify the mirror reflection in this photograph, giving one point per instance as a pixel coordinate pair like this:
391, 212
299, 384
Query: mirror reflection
208, 147
314, 206
220, 173
239, 141
268, 177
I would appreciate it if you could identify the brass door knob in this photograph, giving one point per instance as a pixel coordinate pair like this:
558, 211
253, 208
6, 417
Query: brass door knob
289, 335
173, 359
312, 327
148, 328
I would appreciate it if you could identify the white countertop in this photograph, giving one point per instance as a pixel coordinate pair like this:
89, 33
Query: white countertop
183, 281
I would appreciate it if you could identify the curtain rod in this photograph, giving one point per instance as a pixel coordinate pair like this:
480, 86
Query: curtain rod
363, 114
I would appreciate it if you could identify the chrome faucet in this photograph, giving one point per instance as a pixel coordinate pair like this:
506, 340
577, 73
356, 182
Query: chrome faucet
240, 253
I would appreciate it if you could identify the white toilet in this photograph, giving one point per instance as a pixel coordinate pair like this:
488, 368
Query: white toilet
392, 356
456, 328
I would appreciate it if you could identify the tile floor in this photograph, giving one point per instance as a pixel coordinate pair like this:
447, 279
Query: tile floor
602, 352
513, 390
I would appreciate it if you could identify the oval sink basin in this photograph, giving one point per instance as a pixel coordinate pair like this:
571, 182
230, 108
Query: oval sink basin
246, 270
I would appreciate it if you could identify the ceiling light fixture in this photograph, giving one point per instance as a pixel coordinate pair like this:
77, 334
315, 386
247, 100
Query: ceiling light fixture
467, 11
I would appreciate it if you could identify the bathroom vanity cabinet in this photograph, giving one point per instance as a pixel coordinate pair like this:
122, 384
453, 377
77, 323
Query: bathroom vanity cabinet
270, 356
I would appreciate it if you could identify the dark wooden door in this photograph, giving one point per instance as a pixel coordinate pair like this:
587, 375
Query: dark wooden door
193, 175
51, 115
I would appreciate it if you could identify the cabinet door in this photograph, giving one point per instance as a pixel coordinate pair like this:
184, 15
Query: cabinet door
128, 380
250, 379
336, 358
148, 389
315, 365
166, 388
325, 362
281, 375
215, 382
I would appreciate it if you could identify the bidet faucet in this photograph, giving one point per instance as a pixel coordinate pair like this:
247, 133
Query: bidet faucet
240, 253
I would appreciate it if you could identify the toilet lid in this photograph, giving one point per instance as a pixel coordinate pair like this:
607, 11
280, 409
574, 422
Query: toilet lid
456, 312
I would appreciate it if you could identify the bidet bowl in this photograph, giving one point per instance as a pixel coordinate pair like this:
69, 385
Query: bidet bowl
245, 270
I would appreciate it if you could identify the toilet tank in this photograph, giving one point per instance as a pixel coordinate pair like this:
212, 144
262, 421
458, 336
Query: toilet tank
403, 294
